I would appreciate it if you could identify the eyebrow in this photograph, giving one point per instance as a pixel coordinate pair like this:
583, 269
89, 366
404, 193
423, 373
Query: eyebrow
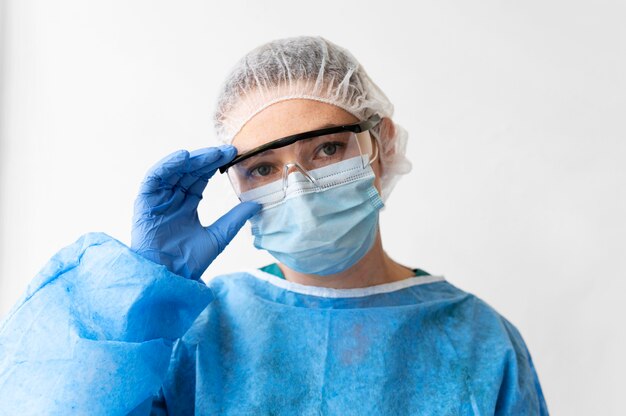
267, 152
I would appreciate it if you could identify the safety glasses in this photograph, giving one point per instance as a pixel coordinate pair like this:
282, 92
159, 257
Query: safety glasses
305, 152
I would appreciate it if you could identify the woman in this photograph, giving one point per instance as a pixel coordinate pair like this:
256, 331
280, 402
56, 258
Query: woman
335, 327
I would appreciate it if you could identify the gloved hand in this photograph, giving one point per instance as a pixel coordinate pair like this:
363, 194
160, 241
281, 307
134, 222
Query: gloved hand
166, 228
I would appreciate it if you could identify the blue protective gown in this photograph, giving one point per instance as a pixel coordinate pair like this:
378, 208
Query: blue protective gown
102, 331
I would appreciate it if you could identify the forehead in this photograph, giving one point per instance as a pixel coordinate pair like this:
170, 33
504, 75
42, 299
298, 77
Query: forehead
289, 117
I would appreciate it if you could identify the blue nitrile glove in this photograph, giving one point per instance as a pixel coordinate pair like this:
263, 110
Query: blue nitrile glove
166, 228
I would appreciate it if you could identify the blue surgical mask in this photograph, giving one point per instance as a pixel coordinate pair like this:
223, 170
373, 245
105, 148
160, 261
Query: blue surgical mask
322, 228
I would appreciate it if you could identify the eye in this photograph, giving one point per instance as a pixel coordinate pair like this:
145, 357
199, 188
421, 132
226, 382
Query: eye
329, 148
262, 170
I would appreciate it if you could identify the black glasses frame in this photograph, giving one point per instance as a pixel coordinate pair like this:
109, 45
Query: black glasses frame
286, 141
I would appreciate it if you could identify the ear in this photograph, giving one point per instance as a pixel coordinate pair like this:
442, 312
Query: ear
386, 124
386, 148
387, 133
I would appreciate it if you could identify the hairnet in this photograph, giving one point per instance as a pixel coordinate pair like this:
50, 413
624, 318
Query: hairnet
313, 68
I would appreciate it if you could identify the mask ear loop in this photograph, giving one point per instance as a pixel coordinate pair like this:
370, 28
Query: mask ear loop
374, 142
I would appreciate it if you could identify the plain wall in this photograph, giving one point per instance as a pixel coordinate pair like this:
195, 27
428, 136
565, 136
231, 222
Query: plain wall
516, 118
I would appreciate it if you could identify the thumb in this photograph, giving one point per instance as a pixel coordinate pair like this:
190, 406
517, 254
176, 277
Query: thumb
226, 227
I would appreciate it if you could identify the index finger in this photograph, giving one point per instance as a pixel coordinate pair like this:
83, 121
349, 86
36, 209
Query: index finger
167, 172
203, 165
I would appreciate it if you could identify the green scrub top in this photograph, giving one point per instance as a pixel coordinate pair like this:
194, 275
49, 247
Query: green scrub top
275, 270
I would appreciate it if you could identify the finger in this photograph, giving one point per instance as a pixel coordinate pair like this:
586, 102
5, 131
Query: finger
197, 188
170, 170
202, 175
201, 161
225, 228
205, 168
158, 202
166, 172
192, 184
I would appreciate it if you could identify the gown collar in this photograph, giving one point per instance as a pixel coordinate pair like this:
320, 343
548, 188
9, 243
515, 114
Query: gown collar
326, 292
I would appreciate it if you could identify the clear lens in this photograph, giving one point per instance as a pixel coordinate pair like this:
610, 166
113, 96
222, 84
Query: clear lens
272, 166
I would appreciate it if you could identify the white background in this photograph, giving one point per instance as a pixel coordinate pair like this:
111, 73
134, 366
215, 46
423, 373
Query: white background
516, 117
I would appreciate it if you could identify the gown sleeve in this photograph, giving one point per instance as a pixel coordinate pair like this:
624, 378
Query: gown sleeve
93, 333
520, 392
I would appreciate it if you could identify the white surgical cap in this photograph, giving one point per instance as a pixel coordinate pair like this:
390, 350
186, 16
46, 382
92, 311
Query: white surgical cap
310, 68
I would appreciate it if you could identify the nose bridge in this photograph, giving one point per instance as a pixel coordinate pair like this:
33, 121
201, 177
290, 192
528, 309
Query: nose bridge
293, 167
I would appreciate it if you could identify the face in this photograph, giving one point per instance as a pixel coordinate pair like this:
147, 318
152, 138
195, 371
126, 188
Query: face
291, 117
